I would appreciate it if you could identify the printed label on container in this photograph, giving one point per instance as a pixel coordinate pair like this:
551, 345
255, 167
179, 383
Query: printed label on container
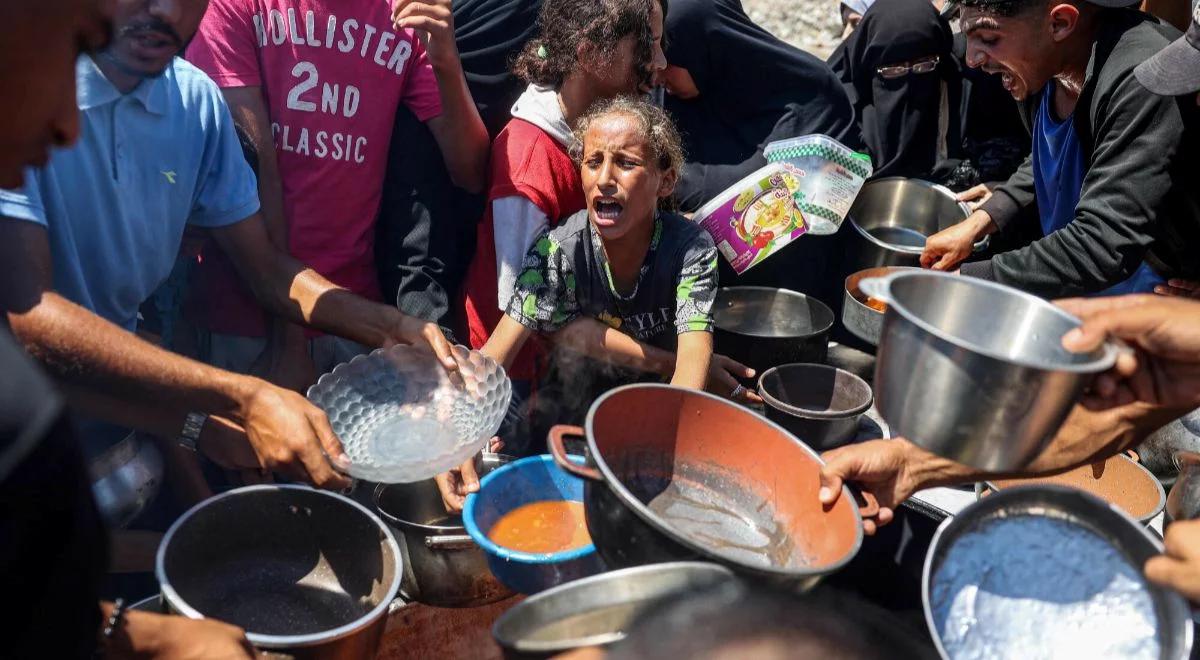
756, 217
831, 177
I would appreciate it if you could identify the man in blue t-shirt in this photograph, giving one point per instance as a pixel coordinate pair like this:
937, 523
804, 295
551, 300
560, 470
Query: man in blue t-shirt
1111, 166
96, 230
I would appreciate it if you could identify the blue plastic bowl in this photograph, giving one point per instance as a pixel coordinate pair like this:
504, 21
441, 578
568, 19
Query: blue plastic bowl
533, 479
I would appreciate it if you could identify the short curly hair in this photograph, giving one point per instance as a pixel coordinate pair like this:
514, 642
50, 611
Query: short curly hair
552, 55
653, 122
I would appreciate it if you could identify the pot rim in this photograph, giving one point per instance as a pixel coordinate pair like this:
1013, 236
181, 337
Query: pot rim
805, 413
283, 641
582, 583
810, 300
407, 525
643, 512
1018, 493
903, 249
481, 539
1145, 520
1108, 352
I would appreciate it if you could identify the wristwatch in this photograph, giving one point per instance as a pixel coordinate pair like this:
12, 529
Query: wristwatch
192, 425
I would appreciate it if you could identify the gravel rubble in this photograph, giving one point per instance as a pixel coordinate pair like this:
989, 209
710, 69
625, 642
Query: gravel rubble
812, 25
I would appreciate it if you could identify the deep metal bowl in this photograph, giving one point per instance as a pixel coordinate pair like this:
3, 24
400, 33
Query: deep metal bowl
819, 404
296, 568
1082, 509
596, 611
892, 217
975, 371
401, 418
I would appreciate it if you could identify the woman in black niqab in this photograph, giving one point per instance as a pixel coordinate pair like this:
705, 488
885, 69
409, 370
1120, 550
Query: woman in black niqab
753, 89
906, 122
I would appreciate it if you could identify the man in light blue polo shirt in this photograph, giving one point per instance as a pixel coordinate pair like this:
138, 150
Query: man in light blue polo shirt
96, 230
147, 162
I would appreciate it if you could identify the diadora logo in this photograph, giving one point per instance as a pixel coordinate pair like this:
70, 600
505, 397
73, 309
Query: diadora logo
169, 175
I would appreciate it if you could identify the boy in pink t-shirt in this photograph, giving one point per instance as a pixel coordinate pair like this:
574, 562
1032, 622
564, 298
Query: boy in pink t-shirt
316, 85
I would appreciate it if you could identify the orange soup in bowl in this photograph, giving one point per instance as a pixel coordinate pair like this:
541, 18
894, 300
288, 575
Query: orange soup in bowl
542, 527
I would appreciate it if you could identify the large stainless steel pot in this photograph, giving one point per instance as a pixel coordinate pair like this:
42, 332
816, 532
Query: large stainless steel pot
597, 610
892, 217
763, 327
677, 474
975, 371
306, 573
443, 567
125, 479
1130, 538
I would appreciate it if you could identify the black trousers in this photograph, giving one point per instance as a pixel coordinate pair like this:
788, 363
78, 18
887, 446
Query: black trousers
425, 237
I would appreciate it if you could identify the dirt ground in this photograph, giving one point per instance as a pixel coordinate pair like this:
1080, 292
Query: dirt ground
813, 25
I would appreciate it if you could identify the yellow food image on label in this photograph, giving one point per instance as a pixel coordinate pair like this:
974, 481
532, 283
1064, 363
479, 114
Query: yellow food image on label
743, 200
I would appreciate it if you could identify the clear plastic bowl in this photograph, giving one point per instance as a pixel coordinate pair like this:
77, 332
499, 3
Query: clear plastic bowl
402, 418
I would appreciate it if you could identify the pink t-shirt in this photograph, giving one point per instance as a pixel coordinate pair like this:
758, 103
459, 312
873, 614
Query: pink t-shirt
333, 73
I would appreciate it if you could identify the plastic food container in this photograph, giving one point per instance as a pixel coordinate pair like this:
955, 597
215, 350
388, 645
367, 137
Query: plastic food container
756, 217
830, 174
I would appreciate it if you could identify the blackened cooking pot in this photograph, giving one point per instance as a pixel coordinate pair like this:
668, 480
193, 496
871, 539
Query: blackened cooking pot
763, 327
443, 566
306, 573
676, 474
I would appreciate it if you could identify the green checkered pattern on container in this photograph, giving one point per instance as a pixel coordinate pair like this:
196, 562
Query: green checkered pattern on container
847, 161
811, 209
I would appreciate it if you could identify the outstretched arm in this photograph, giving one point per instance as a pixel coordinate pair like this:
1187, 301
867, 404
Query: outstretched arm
459, 130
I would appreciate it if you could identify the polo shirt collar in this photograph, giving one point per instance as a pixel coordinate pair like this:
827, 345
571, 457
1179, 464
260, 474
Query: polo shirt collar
94, 90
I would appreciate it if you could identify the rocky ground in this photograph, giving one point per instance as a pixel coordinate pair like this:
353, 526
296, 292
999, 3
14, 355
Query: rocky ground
813, 25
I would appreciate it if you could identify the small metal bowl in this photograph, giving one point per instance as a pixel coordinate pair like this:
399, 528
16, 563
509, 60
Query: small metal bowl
819, 404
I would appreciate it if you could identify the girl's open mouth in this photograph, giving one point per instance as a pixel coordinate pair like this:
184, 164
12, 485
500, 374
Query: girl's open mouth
607, 210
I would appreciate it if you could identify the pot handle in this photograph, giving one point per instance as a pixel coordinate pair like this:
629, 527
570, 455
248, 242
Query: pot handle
557, 436
452, 542
868, 506
877, 287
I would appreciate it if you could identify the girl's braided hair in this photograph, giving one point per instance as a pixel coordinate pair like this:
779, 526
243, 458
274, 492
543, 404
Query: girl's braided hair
653, 123
552, 55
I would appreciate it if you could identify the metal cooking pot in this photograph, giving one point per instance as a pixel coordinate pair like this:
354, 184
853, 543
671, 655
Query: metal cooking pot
596, 611
975, 371
1130, 538
862, 320
443, 567
126, 479
678, 474
819, 404
892, 217
306, 573
763, 327
1183, 502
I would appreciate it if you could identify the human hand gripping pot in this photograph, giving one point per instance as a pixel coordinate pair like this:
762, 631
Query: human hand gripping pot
948, 248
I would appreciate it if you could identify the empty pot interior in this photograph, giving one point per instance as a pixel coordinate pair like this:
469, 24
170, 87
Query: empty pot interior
989, 318
765, 312
281, 562
818, 389
904, 213
1118, 480
722, 479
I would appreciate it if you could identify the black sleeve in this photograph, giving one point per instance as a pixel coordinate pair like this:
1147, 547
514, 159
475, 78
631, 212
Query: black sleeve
1012, 196
1137, 135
